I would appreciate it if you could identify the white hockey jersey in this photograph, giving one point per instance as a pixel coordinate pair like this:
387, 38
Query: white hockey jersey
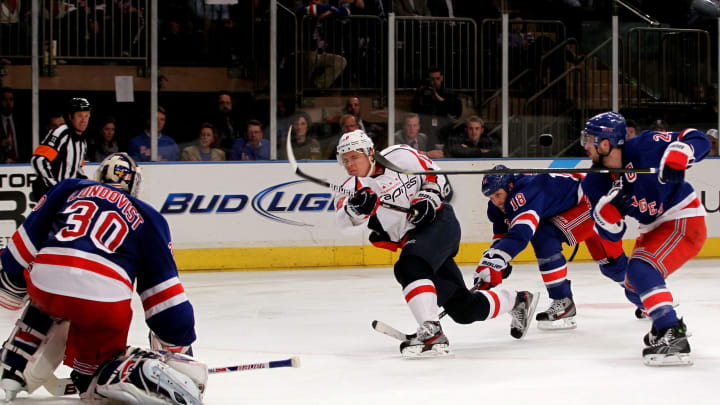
390, 227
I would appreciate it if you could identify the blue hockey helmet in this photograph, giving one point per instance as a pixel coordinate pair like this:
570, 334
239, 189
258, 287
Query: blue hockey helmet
607, 125
494, 182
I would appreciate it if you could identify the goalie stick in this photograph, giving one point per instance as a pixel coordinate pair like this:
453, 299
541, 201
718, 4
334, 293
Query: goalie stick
325, 183
380, 159
64, 386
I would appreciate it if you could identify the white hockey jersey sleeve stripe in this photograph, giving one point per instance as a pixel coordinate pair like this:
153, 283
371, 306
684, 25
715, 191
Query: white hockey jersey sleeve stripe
529, 218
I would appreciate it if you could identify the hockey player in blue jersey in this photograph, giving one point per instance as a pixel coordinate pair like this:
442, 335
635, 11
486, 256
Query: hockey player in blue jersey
672, 219
545, 210
77, 258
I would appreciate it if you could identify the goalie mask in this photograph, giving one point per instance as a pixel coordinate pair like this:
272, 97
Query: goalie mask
119, 170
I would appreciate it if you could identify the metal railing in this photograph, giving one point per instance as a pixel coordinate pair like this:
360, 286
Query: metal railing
667, 66
529, 41
97, 30
446, 43
342, 53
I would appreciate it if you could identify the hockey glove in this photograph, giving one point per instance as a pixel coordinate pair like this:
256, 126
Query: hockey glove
676, 159
424, 208
492, 269
13, 291
158, 344
364, 204
611, 210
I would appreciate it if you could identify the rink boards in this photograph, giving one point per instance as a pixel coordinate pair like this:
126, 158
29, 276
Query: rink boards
237, 215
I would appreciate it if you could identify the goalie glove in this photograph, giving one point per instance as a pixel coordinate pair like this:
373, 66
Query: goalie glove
676, 159
158, 344
425, 205
610, 211
363, 204
492, 269
13, 292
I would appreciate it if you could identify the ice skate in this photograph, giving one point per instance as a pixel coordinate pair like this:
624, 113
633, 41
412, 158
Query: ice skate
651, 337
560, 315
522, 313
670, 348
430, 341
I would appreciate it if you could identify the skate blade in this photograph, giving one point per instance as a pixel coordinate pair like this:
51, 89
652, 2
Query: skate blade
560, 324
664, 360
419, 352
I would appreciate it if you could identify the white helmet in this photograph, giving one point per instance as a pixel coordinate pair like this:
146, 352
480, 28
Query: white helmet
120, 170
355, 140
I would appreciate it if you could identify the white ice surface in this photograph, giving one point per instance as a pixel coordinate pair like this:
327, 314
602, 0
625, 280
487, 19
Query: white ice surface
324, 316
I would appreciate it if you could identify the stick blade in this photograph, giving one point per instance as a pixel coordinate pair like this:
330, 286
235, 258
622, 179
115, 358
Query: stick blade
290, 153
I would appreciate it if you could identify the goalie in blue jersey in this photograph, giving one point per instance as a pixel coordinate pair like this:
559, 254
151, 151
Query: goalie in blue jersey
77, 259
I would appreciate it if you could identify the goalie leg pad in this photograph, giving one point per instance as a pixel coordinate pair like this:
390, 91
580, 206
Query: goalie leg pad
143, 377
32, 352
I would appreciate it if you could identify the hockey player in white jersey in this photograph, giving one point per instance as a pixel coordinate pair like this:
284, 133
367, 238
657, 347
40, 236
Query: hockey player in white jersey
429, 236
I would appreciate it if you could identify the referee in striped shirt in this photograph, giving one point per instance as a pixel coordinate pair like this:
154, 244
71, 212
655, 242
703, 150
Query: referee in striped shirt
61, 154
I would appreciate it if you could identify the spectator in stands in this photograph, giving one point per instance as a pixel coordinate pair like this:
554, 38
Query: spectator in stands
348, 123
254, 147
203, 149
411, 135
631, 129
437, 106
305, 146
13, 27
411, 7
15, 147
54, 120
659, 125
175, 30
218, 29
105, 142
321, 66
712, 135
352, 106
473, 142
139, 148
366, 7
227, 125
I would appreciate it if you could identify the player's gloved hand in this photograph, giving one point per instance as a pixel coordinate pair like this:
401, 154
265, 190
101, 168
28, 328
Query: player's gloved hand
13, 291
158, 344
612, 208
363, 204
424, 207
492, 269
676, 159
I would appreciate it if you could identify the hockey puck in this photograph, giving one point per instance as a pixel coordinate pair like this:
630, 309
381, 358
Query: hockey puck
546, 139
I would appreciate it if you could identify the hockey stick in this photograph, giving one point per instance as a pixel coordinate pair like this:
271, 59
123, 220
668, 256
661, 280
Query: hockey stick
64, 386
291, 362
380, 159
325, 183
